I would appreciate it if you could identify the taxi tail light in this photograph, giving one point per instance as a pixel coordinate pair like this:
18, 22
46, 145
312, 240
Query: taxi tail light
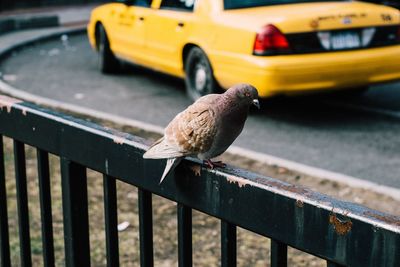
270, 41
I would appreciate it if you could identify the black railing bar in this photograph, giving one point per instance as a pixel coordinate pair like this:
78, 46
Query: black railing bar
303, 196
228, 244
145, 228
45, 207
5, 259
185, 244
22, 203
75, 212
111, 220
332, 264
278, 254
116, 136
294, 192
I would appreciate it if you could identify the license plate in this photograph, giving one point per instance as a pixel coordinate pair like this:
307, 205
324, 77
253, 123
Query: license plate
345, 40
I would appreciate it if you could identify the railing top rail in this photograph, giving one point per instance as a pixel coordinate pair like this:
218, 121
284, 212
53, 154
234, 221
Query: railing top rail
315, 223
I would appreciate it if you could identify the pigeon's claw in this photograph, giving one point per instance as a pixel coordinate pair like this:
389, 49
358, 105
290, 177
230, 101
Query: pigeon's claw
212, 164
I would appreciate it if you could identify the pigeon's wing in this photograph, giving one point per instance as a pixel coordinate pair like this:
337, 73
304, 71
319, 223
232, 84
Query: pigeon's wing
193, 130
163, 149
189, 133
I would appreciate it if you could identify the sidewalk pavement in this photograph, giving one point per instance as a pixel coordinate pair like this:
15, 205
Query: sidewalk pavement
21, 27
23, 19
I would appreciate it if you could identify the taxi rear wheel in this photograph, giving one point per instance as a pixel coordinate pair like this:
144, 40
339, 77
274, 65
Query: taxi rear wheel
108, 63
354, 92
199, 78
358, 91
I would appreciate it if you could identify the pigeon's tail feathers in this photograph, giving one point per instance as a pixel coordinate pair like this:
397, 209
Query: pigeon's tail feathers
162, 150
150, 153
171, 164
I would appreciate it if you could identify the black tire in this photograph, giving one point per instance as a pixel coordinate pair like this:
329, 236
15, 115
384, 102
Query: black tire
108, 63
199, 78
359, 91
355, 92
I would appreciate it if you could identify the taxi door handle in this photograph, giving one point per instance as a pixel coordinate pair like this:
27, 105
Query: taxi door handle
141, 18
181, 24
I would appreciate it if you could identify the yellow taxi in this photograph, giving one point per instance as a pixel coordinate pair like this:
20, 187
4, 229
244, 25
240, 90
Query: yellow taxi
279, 46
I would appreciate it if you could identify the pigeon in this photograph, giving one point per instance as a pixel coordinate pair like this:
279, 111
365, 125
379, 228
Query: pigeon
206, 128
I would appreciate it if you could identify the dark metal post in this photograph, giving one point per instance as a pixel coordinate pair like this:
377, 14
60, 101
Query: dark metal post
332, 264
111, 220
75, 209
278, 254
228, 244
45, 207
4, 234
146, 228
185, 236
22, 202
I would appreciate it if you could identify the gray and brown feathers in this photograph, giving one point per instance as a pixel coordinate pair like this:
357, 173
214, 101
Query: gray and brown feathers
206, 128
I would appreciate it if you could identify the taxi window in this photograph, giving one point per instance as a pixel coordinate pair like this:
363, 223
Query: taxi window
184, 5
233, 4
143, 3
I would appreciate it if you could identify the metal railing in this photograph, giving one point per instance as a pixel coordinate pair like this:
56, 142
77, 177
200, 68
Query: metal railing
342, 233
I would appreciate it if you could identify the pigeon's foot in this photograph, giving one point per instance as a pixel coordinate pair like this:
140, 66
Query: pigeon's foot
212, 164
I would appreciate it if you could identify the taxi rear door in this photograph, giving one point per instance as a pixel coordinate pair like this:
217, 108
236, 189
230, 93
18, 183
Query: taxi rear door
167, 29
131, 28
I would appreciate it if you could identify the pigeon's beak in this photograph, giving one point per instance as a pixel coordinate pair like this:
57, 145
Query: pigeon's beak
256, 103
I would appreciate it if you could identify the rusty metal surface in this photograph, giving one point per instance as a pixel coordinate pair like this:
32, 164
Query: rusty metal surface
341, 232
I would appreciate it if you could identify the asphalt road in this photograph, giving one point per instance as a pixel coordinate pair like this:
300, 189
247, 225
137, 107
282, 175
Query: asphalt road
359, 137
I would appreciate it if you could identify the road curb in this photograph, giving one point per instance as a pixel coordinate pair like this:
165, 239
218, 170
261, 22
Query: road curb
257, 156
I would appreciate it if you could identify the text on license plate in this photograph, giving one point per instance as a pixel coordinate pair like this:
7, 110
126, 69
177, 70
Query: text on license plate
345, 40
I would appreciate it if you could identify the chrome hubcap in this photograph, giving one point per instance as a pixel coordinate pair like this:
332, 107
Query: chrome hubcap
200, 78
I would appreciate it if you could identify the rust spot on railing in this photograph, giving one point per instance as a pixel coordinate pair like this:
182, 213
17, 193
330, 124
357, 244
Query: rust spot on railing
8, 102
237, 180
119, 140
299, 203
196, 169
342, 227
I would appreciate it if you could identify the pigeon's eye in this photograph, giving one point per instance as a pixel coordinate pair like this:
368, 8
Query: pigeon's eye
247, 94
